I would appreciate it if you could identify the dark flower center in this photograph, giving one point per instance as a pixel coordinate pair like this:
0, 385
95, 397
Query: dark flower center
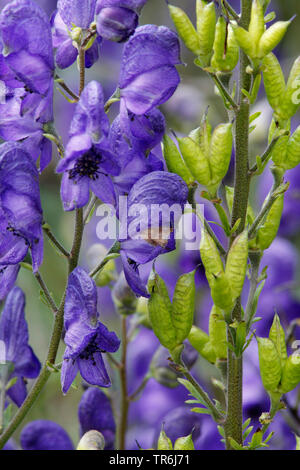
88, 353
87, 165
18, 234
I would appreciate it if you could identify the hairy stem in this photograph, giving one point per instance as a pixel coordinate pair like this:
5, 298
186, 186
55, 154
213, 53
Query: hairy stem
124, 391
46, 292
234, 420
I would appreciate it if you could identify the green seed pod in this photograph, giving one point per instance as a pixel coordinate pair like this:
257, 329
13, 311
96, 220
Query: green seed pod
183, 306
184, 443
257, 23
225, 56
185, 29
202, 135
164, 443
175, 163
271, 38
221, 292
268, 231
195, 160
220, 152
218, 333
277, 335
273, 80
244, 40
269, 364
293, 150
210, 257
236, 264
160, 312
206, 25
279, 152
291, 99
200, 341
291, 374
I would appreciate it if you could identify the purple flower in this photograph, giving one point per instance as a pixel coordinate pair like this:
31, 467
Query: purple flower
148, 75
81, 13
181, 422
20, 208
117, 19
156, 188
45, 435
95, 413
86, 338
26, 34
77, 12
17, 124
145, 132
89, 160
20, 359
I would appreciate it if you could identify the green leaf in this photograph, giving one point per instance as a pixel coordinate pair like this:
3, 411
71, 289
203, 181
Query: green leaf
203, 411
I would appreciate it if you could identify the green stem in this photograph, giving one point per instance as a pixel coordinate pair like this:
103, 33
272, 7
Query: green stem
124, 391
234, 420
217, 416
53, 239
46, 292
228, 100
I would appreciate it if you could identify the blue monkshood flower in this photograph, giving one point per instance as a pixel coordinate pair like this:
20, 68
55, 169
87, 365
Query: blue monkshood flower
15, 125
45, 435
181, 422
118, 19
70, 13
145, 132
153, 237
20, 207
94, 413
86, 338
89, 161
26, 35
18, 354
148, 74
133, 150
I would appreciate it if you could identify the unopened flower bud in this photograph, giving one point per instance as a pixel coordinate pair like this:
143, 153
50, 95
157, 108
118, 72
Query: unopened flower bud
124, 298
91, 440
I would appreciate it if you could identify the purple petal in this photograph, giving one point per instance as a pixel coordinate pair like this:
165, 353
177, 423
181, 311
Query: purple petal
89, 116
66, 54
69, 370
74, 194
107, 340
103, 188
23, 23
116, 23
76, 147
93, 371
45, 435
132, 277
79, 12
8, 276
18, 392
81, 299
95, 412
150, 89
